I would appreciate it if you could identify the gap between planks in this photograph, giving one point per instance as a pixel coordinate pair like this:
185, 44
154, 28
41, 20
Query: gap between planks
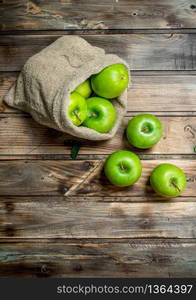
66, 157
98, 257
95, 32
9, 199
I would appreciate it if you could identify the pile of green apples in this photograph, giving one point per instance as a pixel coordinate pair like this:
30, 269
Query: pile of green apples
123, 168
89, 105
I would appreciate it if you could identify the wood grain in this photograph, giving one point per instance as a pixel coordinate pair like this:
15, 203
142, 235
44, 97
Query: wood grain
89, 219
116, 258
160, 93
107, 14
79, 178
31, 138
141, 51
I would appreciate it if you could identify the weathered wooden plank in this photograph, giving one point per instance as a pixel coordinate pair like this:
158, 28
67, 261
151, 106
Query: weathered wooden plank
79, 178
165, 93
120, 258
141, 51
160, 93
6, 81
62, 219
10, 200
31, 138
110, 14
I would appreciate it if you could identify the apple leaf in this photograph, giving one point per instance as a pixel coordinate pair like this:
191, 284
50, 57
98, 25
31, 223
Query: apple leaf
74, 151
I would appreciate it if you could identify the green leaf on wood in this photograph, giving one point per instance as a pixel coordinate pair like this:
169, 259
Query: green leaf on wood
75, 147
74, 151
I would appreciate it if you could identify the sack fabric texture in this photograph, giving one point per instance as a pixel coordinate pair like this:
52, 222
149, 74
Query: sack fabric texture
44, 85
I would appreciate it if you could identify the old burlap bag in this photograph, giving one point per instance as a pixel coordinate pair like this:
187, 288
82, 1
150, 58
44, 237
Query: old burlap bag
47, 79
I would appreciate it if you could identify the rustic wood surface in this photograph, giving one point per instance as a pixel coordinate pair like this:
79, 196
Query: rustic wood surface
171, 93
102, 14
79, 178
62, 218
32, 138
106, 258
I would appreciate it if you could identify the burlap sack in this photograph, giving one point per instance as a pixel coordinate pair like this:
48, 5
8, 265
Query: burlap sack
47, 79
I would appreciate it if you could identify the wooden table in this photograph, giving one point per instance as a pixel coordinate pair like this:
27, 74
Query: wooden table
60, 217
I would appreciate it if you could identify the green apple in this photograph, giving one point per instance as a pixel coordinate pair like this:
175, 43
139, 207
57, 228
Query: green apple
77, 109
101, 114
123, 168
111, 81
144, 131
168, 180
84, 89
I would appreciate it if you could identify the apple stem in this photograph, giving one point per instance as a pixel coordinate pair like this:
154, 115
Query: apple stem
93, 115
76, 114
145, 129
175, 185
